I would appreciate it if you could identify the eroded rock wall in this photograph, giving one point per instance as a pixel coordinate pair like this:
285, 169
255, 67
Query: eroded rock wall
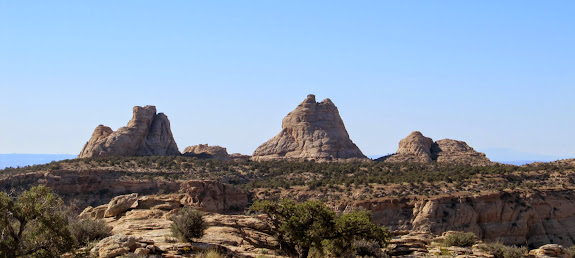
534, 218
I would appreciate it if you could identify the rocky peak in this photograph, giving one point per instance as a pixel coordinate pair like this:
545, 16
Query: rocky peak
313, 130
418, 148
146, 134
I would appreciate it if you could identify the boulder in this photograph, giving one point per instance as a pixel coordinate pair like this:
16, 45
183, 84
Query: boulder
164, 202
213, 196
550, 250
147, 133
313, 131
113, 246
206, 151
93, 213
120, 204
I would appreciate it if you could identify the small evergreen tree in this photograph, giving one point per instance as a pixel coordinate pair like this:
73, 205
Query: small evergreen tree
312, 225
33, 225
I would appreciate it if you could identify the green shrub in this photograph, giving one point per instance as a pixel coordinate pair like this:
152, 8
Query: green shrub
502, 251
461, 239
188, 224
33, 225
303, 228
88, 230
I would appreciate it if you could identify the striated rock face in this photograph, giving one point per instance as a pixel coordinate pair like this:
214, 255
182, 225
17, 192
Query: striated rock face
314, 130
513, 218
204, 150
159, 140
418, 148
146, 134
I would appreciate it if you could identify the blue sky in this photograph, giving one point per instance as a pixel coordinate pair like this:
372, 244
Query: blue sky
496, 74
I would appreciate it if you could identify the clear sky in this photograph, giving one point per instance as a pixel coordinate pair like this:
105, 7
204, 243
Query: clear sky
496, 74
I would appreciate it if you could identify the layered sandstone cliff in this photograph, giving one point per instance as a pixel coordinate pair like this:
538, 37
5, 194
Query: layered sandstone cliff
418, 148
146, 134
314, 130
513, 217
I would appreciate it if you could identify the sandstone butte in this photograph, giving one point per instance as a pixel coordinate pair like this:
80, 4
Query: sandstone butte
418, 148
147, 134
313, 130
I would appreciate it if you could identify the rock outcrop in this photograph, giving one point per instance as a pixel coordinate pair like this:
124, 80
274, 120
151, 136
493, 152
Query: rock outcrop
120, 204
115, 245
123, 245
147, 134
550, 250
314, 130
512, 218
213, 196
418, 148
206, 151
452, 151
413, 148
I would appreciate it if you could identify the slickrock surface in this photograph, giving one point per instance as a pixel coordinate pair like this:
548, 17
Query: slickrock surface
418, 148
146, 134
206, 151
147, 226
314, 130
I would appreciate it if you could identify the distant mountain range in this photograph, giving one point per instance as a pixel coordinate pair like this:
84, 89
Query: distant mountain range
21, 160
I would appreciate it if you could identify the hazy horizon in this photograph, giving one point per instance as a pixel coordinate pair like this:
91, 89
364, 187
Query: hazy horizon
497, 75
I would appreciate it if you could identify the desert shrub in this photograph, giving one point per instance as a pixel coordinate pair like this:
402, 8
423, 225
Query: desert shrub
502, 251
188, 224
311, 226
364, 248
210, 254
85, 231
461, 239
